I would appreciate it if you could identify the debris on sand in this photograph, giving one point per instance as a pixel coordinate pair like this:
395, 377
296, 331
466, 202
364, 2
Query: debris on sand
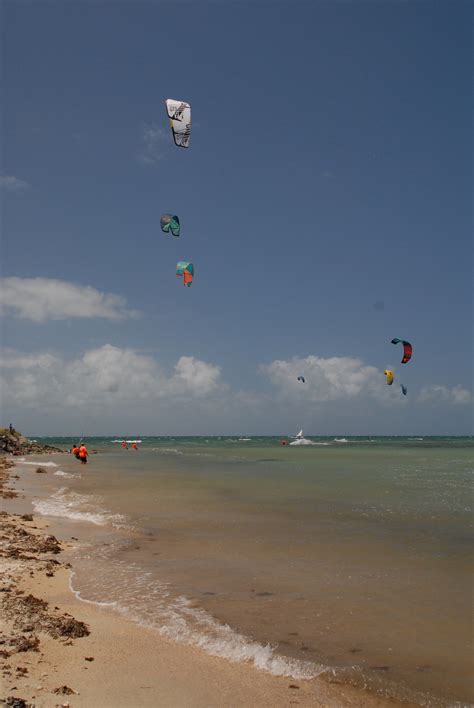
65, 691
14, 702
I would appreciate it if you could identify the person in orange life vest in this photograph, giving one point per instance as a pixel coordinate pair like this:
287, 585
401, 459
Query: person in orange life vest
75, 451
83, 454
135, 446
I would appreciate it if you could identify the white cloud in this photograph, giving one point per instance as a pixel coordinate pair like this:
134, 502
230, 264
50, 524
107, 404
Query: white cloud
110, 387
326, 379
12, 184
14, 360
123, 373
195, 376
153, 139
106, 376
41, 299
437, 393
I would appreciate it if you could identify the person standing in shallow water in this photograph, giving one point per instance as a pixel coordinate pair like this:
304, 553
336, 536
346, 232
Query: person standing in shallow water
83, 454
75, 451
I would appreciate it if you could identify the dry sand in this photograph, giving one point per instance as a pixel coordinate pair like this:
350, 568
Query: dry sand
56, 650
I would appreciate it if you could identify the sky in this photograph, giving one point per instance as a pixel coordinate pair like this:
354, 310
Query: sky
325, 201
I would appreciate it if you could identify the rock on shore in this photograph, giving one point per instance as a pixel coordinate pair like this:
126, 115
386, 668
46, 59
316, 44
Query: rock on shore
14, 443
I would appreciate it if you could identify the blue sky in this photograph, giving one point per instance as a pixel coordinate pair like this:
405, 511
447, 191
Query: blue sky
325, 201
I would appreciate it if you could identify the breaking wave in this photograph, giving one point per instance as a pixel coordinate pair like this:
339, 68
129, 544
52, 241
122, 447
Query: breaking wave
129, 590
77, 507
68, 475
22, 461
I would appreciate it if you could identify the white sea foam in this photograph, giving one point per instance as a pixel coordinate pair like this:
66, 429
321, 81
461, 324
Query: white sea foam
68, 475
78, 507
169, 450
83, 599
175, 451
152, 604
306, 442
127, 441
353, 442
22, 461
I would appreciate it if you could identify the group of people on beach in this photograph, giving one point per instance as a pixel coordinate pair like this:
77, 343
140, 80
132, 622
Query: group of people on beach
80, 452
125, 446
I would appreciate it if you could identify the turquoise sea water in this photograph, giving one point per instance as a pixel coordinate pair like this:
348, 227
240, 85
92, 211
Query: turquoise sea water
350, 556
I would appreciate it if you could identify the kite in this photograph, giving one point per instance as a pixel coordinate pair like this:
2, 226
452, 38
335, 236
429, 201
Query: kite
301, 378
170, 223
404, 389
389, 375
407, 349
186, 269
179, 114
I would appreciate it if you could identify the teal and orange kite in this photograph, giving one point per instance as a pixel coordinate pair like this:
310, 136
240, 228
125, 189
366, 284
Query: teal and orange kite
186, 269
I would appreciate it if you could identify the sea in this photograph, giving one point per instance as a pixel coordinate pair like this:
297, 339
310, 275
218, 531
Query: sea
349, 558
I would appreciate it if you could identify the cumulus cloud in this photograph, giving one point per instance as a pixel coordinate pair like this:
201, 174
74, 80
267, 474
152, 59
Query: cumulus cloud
111, 387
9, 183
41, 299
327, 379
193, 375
437, 393
106, 376
15, 360
153, 140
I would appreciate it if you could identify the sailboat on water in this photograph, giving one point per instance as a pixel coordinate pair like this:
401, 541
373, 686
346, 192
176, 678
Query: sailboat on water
301, 440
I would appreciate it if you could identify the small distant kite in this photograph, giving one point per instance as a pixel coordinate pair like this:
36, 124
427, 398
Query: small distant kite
389, 376
179, 114
168, 223
301, 378
407, 349
404, 389
186, 269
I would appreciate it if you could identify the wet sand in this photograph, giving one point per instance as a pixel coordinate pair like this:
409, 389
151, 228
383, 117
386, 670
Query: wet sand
56, 650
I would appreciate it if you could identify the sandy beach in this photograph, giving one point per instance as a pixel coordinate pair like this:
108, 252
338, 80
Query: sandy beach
57, 650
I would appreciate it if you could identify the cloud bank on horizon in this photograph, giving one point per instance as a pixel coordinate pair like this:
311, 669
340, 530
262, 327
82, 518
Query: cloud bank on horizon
115, 381
123, 383
101, 377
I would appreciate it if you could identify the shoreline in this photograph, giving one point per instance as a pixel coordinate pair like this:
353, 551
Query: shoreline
53, 642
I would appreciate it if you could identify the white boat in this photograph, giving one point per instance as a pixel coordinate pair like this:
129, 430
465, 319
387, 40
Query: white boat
300, 440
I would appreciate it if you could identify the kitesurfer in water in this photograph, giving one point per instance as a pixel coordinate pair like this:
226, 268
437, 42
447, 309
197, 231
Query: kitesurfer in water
75, 451
83, 454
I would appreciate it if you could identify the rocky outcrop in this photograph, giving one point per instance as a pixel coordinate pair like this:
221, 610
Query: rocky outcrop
14, 443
